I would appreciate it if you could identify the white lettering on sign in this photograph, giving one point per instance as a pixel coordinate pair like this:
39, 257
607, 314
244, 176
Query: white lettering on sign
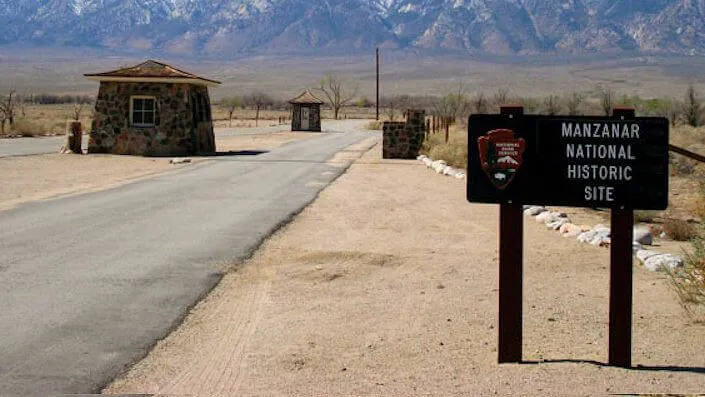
589, 151
600, 130
614, 158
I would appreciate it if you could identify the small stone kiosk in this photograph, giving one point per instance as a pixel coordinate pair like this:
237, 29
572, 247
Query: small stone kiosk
306, 113
152, 109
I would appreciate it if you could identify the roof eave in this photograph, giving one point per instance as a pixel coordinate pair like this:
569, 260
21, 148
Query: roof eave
181, 80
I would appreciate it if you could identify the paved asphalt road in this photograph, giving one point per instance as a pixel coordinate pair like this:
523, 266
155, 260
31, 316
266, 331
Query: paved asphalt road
43, 145
27, 146
89, 283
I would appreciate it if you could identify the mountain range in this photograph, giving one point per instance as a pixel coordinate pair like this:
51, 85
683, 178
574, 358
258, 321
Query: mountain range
231, 28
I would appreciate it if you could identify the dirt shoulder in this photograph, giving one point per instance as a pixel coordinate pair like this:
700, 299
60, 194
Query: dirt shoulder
31, 178
386, 285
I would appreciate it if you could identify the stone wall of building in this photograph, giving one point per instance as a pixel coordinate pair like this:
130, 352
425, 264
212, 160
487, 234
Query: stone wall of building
314, 117
174, 132
403, 140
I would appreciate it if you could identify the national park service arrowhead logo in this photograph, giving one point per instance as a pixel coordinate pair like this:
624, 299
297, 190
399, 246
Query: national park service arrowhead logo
501, 156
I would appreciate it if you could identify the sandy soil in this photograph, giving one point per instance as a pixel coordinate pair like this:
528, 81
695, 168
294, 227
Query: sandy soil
387, 285
31, 178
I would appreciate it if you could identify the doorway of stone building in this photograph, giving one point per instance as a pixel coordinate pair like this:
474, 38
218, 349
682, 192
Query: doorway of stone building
305, 117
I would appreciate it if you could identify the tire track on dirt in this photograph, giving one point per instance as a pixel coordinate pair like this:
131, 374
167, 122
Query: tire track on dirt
219, 370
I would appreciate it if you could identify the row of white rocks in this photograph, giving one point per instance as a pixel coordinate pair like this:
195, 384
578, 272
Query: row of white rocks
441, 167
600, 235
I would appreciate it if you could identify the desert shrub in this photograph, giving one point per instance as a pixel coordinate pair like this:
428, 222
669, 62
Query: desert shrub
28, 128
689, 281
645, 216
374, 125
680, 230
686, 136
681, 165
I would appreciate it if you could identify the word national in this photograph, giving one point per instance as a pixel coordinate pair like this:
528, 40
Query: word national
600, 130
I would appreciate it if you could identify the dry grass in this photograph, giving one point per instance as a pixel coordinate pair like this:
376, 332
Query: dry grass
455, 152
689, 282
680, 230
39, 120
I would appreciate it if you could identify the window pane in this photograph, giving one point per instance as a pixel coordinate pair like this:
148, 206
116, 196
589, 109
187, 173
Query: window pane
137, 117
148, 104
138, 103
149, 117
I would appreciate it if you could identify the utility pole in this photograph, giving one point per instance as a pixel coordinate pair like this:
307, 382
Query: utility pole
377, 101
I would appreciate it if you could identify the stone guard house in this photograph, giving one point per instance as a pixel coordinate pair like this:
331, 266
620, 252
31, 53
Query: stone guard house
152, 109
306, 113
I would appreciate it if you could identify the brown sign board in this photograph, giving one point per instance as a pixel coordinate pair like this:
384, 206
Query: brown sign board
568, 161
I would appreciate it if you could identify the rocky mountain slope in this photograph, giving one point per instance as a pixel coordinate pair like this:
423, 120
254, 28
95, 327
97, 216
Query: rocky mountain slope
228, 28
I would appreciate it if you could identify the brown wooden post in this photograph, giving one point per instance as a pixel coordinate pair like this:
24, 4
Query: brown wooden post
622, 235
447, 126
511, 269
75, 137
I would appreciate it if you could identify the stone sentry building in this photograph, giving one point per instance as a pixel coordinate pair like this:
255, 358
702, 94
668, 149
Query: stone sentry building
306, 112
152, 109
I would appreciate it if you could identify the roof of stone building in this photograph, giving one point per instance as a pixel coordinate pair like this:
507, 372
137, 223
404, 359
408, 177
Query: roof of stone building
306, 99
151, 71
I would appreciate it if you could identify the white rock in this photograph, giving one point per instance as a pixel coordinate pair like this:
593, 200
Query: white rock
555, 225
643, 255
543, 217
636, 246
663, 261
551, 217
448, 170
643, 236
585, 237
534, 210
179, 161
460, 175
570, 230
422, 157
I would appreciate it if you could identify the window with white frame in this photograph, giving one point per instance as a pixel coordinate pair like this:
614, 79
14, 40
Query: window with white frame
143, 111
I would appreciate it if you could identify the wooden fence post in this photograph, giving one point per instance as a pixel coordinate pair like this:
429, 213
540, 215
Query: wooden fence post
75, 137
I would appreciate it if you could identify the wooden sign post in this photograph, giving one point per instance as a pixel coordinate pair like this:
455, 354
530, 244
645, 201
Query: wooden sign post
619, 163
511, 269
622, 235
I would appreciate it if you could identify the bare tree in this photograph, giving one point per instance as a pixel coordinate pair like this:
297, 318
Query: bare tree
674, 112
501, 97
692, 107
552, 105
452, 104
231, 103
258, 100
337, 93
395, 104
77, 110
480, 103
7, 109
607, 101
573, 102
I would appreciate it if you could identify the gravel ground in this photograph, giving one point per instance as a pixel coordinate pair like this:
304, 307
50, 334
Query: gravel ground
387, 285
